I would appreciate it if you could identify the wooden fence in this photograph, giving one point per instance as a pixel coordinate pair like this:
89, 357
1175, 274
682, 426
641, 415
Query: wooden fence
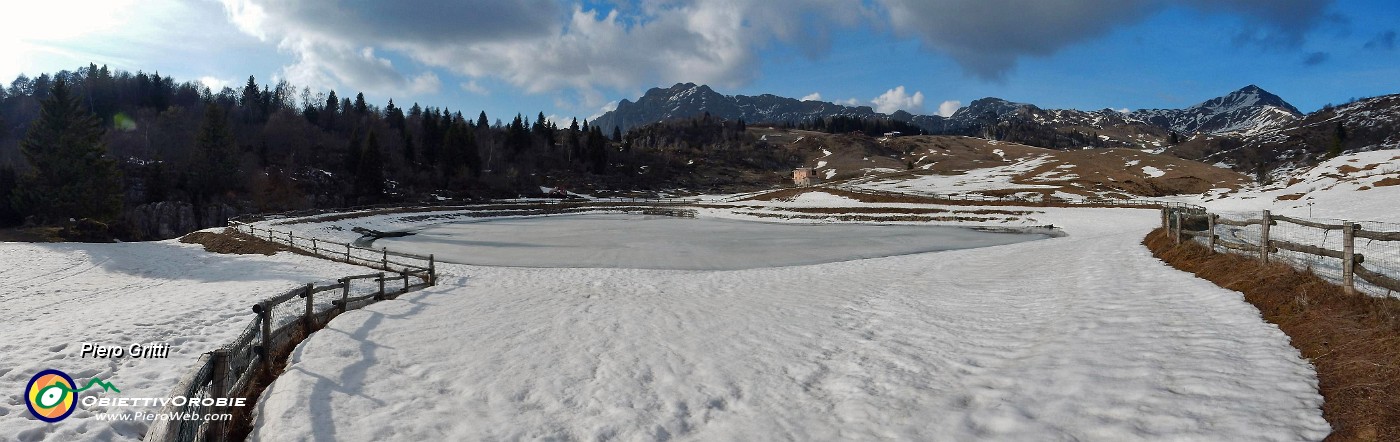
1204, 226
244, 367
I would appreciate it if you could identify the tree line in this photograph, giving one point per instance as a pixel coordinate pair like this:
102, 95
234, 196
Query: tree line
95, 143
91, 142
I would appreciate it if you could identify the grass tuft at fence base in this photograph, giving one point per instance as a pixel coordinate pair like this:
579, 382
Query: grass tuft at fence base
1352, 340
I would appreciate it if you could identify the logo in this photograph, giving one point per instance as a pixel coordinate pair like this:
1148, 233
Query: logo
51, 395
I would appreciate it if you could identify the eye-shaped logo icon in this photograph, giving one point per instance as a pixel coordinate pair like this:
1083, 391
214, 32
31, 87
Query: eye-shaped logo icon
51, 395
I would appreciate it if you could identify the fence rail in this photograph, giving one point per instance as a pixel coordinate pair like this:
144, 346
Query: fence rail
1378, 269
242, 368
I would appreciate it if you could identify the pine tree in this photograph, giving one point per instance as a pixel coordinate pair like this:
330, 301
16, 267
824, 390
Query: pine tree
70, 175
215, 170
369, 177
1339, 137
360, 106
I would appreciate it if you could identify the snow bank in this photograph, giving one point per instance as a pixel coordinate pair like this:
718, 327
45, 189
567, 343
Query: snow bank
55, 297
1085, 337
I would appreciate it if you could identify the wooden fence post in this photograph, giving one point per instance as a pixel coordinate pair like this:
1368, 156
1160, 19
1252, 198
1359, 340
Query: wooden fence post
345, 295
218, 360
291, 240
265, 317
1164, 218
309, 318
1210, 230
385, 260
314, 250
1348, 256
347, 252
1176, 227
380, 296
432, 271
1264, 236
404, 274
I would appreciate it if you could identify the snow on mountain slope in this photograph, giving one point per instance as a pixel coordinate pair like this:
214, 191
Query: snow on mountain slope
1356, 186
1085, 337
963, 166
55, 297
1250, 110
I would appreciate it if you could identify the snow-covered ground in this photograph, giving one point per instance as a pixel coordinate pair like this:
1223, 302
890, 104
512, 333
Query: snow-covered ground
1352, 187
1082, 337
55, 297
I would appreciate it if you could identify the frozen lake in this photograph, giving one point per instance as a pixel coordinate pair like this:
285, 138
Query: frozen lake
660, 242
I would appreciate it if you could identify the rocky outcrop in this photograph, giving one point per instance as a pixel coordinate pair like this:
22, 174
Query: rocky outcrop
170, 219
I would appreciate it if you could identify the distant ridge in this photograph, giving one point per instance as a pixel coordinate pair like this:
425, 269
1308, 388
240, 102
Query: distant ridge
1248, 110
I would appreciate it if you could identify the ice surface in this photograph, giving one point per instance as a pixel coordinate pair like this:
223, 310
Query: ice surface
661, 242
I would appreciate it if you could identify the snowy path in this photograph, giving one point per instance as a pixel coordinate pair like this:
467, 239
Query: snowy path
55, 297
1085, 337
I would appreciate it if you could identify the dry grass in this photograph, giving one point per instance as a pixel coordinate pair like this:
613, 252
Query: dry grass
1353, 341
1391, 181
231, 241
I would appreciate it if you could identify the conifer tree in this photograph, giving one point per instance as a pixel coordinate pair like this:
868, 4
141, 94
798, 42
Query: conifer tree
369, 178
215, 170
70, 175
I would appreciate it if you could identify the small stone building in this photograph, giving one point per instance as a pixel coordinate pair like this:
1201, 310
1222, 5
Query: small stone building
804, 176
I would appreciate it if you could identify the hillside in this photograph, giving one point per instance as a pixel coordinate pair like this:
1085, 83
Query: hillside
970, 166
1365, 125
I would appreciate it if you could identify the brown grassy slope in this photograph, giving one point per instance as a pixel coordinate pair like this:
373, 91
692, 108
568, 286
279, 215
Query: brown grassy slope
1083, 172
233, 242
1352, 340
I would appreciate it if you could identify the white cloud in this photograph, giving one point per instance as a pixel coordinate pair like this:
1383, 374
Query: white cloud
815, 96
946, 108
214, 84
611, 106
896, 99
539, 46
474, 87
851, 102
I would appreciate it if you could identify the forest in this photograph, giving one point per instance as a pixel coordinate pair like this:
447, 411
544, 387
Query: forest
151, 143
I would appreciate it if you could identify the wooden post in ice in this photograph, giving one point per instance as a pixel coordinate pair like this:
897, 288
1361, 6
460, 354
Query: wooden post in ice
291, 240
347, 252
1210, 230
1348, 256
1264, 236
314, 249
432, 271
384, 262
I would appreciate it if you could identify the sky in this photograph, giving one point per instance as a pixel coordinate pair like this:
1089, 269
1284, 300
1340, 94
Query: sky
569, 58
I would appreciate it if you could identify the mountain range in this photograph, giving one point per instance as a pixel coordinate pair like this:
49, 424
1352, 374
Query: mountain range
1248, 110
1248, 129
